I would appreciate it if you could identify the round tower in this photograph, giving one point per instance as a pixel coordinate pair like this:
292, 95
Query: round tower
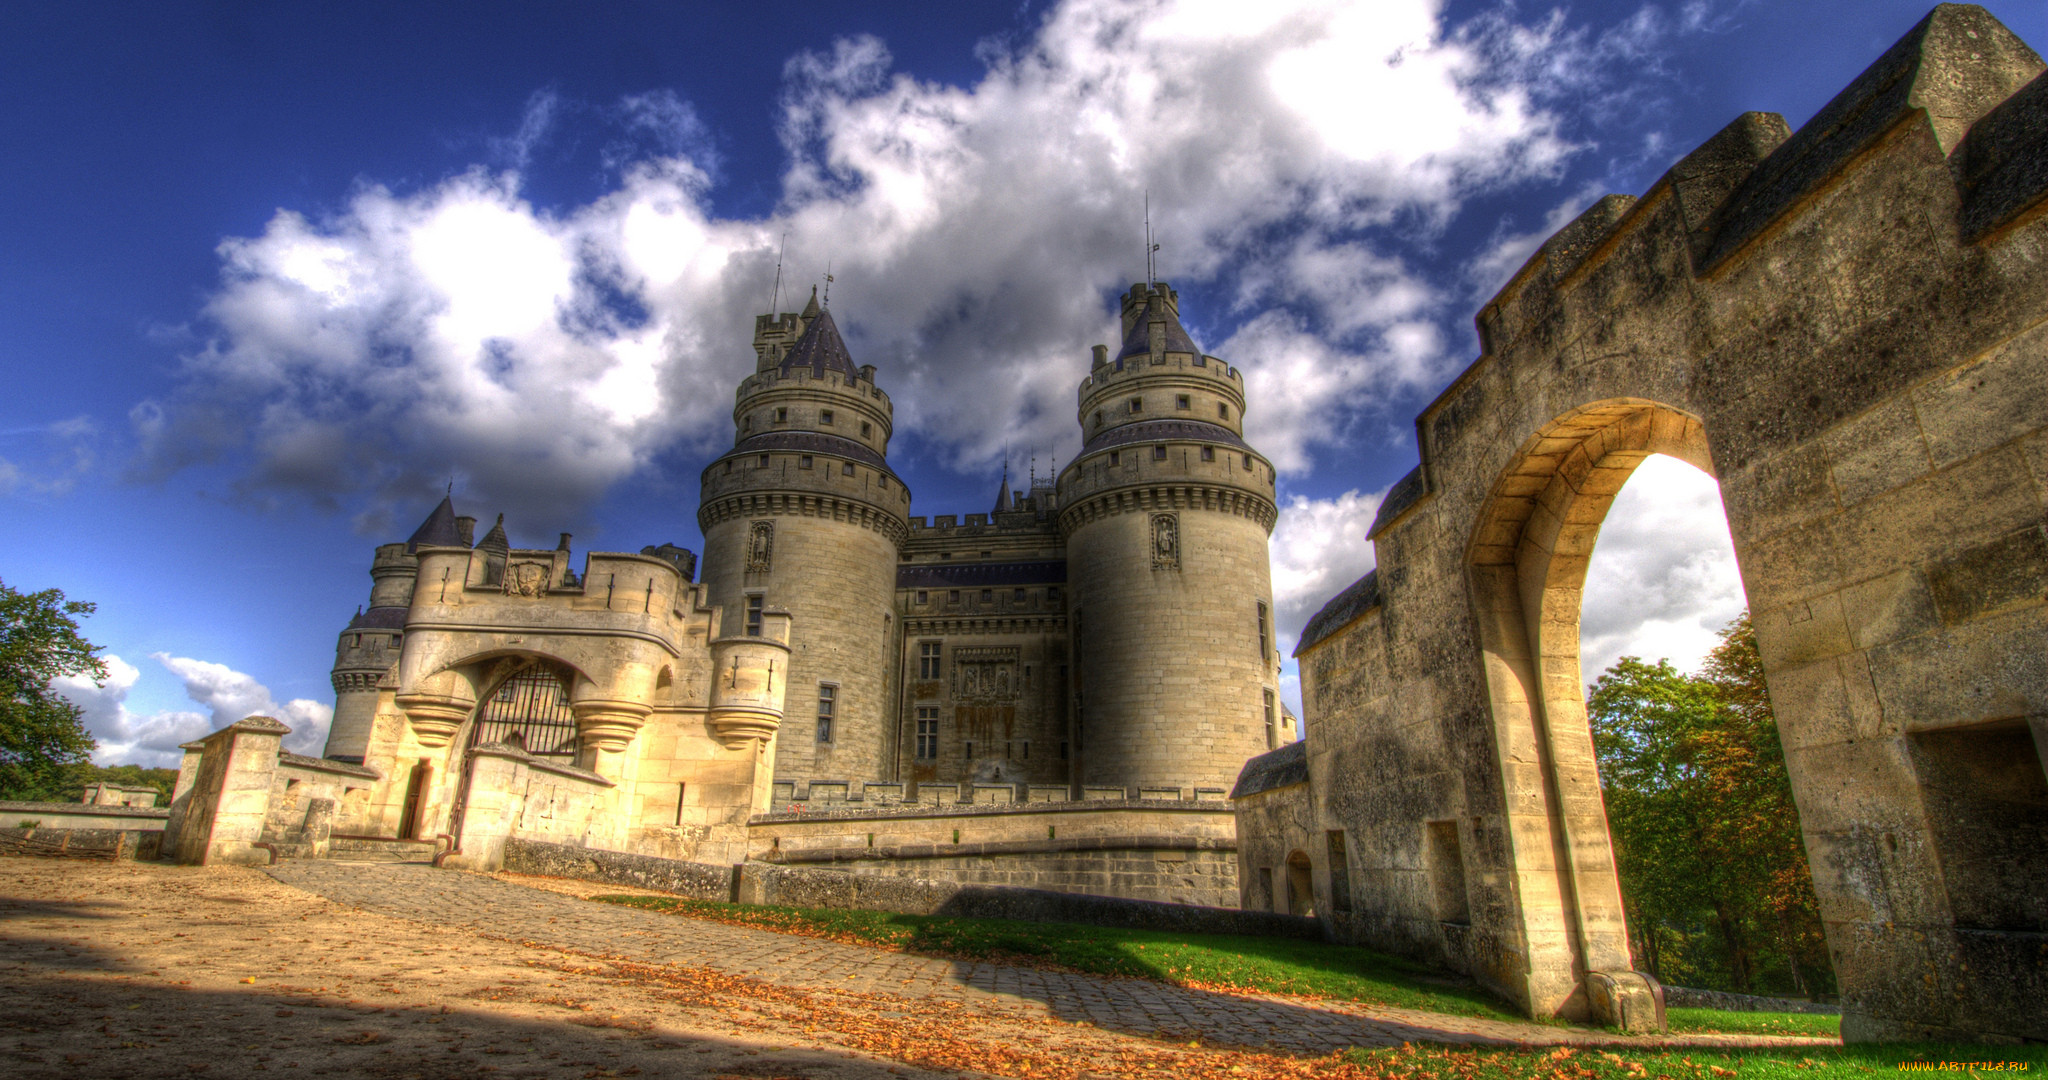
804, 515
1166, 513
370, 644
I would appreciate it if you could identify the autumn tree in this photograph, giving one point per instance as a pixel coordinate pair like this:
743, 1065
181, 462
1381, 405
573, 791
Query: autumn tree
42, 735
1706, 835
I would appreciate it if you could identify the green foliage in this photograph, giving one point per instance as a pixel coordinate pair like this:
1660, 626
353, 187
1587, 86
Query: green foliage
1706, 836
1818, 1025
1696, 1062
1270, 964
42, 736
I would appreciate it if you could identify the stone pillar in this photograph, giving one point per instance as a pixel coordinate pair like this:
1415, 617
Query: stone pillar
229, 796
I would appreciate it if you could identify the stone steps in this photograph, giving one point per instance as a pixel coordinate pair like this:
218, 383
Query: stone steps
379, 850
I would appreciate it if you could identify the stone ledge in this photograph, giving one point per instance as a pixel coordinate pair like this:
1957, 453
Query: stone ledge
909, 811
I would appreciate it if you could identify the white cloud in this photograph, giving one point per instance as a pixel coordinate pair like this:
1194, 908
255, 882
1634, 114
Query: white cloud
544, 354
152, 739
1318, 548
1662, 581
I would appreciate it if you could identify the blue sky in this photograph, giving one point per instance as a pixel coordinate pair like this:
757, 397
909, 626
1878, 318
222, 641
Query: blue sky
271, 276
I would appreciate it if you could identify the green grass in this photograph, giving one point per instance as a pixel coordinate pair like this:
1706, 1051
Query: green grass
1277, 965
1694, 1063
1822, 1025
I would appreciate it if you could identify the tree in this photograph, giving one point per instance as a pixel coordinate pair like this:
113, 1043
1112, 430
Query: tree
1706, 835
42, 735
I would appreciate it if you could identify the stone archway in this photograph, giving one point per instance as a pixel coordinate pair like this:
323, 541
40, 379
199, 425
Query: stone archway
1527, 561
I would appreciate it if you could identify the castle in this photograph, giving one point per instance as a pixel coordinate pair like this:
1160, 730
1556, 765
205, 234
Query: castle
1107, 634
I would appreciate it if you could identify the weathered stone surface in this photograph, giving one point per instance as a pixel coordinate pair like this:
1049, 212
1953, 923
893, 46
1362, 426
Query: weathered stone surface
1848, 327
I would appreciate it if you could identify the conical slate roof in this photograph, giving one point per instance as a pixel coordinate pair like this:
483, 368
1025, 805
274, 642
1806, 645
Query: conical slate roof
821, 349
1139, 341
495, 540
1003, 493
439, 530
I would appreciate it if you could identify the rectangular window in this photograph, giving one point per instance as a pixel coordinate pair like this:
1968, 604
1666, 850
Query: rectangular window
988, 596
1340, 872
1052, 592
1137, 404
882, 482
927, 734
1247, 461
928, 660
728, 467
970, 750
825, 417
1026, 755
782, 416
952, 596
1098, 418
754, 615
1262, 632
828, 695
1272, 723
846, 468
763, 462
1222, 412
1181, 401
1208, 453
803, 461
866, 429
746, 423
1116, 457
921, 596
1018, 596
1159, 453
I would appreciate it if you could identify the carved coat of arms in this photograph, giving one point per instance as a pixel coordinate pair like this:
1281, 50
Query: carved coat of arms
526, 579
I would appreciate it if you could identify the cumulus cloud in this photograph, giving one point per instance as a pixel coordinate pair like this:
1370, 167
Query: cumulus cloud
1318, 548
152, 739
1662, 581
977, 233
48, 459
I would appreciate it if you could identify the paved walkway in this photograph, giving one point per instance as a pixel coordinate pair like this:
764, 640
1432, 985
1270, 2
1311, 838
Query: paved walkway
1138, 1007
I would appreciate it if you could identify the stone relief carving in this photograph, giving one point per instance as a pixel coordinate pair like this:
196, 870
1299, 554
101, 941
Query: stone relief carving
1166, 541
526, 579
760, 546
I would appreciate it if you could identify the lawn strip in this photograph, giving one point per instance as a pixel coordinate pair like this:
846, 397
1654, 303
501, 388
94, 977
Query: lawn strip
1414, 1062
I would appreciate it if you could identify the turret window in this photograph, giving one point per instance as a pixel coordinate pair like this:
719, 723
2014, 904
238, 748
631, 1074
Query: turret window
1263, 647
1116, 457
782, 416
754, 615
846, 468
1098, 418
1272, 723
1159, 453
1181, 401
1222, 412
803, 461
1208, 453
764, 461
825, 417
1136, 405
866, 429
1247, 461
828, 700
746, 423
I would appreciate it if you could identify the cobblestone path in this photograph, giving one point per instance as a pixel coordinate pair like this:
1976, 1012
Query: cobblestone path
1130, 1006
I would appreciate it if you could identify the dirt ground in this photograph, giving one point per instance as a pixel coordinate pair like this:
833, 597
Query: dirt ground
122, 969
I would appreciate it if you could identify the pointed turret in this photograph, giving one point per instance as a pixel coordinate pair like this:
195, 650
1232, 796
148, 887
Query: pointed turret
821, 348
439, 530
1003, 503
1161, 308
811, 309
496, 540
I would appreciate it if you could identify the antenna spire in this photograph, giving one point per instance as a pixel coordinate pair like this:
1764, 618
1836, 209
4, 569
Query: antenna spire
776, 296
828, 283
1151, 249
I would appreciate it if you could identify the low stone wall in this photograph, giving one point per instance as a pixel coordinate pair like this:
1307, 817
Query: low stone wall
1175, 852
755, 883
1686, 997
80, 830
699, 881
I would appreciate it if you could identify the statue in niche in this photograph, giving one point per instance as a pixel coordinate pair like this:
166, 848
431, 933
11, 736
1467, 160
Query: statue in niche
1165, 541
760, 546
526, 579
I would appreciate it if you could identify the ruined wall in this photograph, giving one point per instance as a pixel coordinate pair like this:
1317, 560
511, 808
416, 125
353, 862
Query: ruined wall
1848, 326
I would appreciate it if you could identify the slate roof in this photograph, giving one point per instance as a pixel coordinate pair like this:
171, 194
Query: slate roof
1161, 430
380, 618
496, 540
1139, 341
808, 442
981, 575
821, 349
1399, 498
1362, 596
1280, 768
439, 530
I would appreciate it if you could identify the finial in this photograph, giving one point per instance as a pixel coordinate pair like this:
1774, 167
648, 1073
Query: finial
1151, 267
776, 296
828, 283
451, 489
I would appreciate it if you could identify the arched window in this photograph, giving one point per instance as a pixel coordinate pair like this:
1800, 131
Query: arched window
530, 710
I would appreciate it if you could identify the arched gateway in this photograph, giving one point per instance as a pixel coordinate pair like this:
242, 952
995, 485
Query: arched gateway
1848, 327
